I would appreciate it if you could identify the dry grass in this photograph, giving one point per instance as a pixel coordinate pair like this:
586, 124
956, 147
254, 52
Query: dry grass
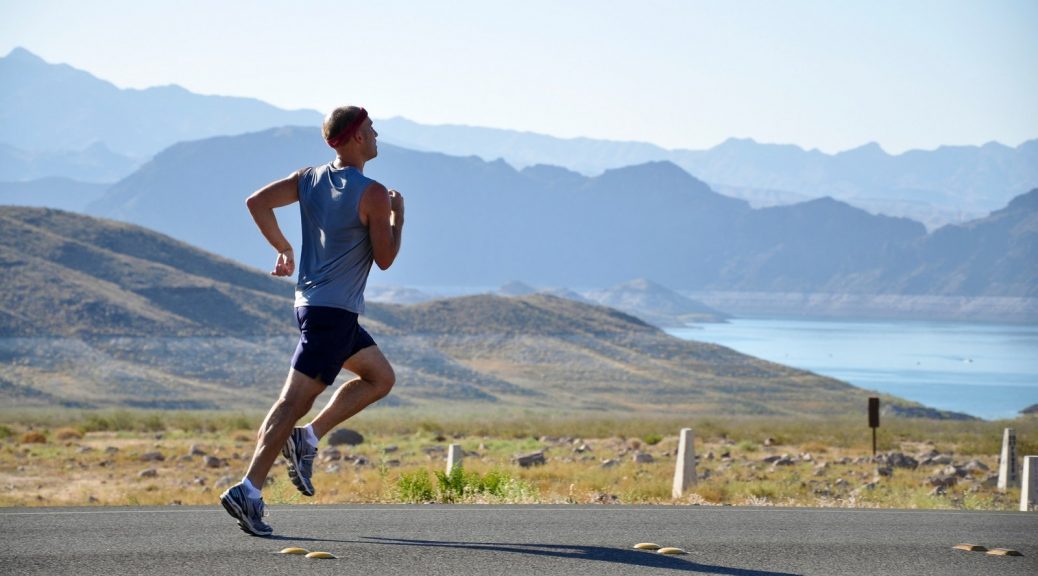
103, 466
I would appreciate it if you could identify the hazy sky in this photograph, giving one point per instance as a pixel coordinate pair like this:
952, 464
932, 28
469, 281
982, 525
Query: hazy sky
827, 74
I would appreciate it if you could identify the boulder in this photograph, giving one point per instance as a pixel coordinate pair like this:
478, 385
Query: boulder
152, 457
345, 436
331, 455
643, 458
196, 450
148, 473
532, 459
609, 463
214, 462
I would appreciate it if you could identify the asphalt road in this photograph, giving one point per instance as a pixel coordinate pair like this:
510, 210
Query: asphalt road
541, 540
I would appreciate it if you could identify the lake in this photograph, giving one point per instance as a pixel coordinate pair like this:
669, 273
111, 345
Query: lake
985, 370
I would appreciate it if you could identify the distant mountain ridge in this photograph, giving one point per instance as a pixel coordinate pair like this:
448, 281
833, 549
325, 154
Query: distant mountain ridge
958, 181
553, 227
104, 132
95, 313
56, 108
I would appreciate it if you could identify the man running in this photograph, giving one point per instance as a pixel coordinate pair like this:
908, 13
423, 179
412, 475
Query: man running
348, 221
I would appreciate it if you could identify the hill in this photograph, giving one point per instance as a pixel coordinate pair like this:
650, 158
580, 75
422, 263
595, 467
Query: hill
99, 313
553, 227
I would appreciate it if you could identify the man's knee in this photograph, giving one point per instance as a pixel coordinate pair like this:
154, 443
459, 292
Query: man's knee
384, 380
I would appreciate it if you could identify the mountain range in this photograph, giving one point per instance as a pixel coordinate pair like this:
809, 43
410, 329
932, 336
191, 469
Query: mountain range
51, 110
96, 313
104, 133
478, 223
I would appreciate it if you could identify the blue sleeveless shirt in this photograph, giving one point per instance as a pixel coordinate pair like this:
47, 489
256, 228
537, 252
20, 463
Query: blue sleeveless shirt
336, 254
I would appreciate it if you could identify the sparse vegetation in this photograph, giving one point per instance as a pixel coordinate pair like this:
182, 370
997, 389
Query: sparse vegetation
588, 460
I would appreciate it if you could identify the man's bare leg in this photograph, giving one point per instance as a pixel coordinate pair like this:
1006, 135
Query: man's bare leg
375, 378
297, 397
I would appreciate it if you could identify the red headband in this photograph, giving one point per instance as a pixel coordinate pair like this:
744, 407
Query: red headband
347, 132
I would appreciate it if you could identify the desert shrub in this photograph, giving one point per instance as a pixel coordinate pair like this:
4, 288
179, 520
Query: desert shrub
415, 487
68, 434
34, 437
5, 432
652, 439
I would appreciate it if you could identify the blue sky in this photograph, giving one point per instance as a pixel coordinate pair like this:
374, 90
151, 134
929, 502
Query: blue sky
830, 75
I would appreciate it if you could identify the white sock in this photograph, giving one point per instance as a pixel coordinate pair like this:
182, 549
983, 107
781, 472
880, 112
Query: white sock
251, 490
311, 438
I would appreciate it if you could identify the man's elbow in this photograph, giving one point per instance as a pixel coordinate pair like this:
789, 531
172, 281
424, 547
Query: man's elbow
253, 202
384, 263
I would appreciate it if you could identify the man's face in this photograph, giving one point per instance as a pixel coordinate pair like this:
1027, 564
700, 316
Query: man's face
370, 136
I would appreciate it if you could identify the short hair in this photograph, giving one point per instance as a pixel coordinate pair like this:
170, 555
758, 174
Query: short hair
339, 119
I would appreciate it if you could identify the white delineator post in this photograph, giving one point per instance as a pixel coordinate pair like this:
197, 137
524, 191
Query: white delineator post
454, 456
1008, 477
1029, 486
685, 469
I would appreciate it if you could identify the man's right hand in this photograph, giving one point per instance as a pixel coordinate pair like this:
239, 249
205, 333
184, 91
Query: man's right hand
285, 265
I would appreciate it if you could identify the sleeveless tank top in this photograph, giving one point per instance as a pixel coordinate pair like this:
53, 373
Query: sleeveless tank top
336, 254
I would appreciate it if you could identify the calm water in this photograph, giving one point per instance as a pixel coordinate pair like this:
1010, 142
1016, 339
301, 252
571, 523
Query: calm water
990, 371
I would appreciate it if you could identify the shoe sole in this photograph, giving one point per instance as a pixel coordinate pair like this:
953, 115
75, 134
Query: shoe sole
237, 513
289, 452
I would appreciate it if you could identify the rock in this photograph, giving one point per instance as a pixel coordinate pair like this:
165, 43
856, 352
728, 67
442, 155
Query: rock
332, 469
389, 449
991, 481
532, 459
111, 450
214, 462
953, 470
976, 466
148, 473
582, 448
609, 463
603, 498
152, 457
84, 449
225, 481
710, 455
806, 457
331, 455
785, 460
942, 480
196, 450
939, 491
898, 460
643, 458
199, 481
186, 458
772, 458
726, 455
391, 463
840, 482
348, 437
360, 461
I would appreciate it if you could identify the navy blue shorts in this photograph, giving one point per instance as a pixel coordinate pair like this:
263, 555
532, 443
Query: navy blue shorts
327, 338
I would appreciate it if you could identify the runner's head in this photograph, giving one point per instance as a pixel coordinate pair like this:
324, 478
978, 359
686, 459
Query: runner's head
341, 124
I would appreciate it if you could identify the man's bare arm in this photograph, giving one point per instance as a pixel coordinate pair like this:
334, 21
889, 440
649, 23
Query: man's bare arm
261, 205
383, 212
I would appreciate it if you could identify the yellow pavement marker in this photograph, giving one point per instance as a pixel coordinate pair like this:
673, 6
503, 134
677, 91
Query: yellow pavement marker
1003, 552
970, 547
294, 550
647, 546
324, 555
671, 551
